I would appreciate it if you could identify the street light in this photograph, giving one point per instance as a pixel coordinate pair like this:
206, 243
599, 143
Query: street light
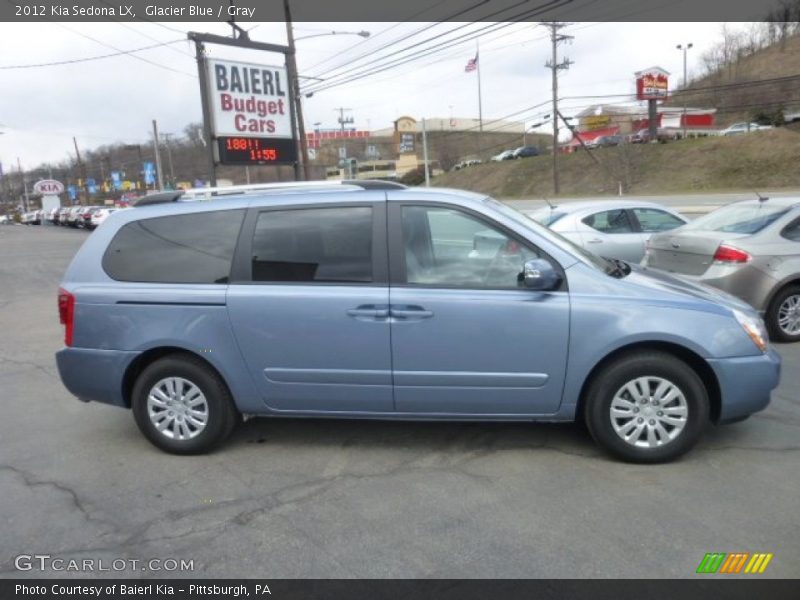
685, 48
364, 34
295, 83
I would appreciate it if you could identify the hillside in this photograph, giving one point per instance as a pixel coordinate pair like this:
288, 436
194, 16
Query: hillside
737, 62
768, 159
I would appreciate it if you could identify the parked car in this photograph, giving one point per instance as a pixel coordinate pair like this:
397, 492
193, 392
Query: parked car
61, 216
750, 249
526, 152
504, 155
640, 137
279, 303
99, 216
85, 219
6, 220
739, 128
606, 141
73, 215
611, 228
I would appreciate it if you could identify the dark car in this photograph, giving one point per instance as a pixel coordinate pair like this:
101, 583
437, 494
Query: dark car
607, 141
526, 151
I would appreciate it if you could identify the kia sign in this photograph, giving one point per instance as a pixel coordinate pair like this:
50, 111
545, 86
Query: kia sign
248, 100
48, 187
652, 84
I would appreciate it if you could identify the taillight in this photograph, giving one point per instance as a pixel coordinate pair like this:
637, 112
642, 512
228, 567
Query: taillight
729, 254
66, 314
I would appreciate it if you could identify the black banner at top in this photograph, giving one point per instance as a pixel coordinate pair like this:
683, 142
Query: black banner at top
398, 589
646, 11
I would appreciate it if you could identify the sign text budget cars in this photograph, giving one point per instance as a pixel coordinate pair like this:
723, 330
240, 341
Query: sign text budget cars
249, 100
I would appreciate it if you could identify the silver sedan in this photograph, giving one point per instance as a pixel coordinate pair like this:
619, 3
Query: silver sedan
610, 228
750, 249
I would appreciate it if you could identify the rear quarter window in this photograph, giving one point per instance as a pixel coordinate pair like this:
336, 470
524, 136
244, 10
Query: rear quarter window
190, 248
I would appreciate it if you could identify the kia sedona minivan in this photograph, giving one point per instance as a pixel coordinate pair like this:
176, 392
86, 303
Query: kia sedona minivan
367, 299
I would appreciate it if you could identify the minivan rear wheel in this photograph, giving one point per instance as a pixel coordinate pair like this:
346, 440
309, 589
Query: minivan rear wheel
783, 316
182, 405
647, 407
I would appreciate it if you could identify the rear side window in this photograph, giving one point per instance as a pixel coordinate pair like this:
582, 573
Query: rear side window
193, 248
610, 221
332, 245
652, 219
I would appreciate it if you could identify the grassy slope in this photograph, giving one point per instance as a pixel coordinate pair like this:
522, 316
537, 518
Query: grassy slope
762, 160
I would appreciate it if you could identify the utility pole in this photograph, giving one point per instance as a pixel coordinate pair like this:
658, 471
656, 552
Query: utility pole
169, 157
555, 39
342, 122
425, 153
158, 157
294, 86
81, 167
24, 185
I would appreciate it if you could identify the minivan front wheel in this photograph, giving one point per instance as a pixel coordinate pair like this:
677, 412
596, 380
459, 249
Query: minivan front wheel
647, 407
182, 406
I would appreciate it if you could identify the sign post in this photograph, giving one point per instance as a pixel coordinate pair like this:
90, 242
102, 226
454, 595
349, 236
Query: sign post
49, 189
248, 109
652, 85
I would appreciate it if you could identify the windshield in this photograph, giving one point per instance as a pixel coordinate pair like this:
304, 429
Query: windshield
587, 257
738, 218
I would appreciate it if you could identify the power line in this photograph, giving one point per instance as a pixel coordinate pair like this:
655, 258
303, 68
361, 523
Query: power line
150, 62
89, 58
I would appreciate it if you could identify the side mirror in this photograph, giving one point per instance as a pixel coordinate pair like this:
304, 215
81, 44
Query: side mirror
539, 274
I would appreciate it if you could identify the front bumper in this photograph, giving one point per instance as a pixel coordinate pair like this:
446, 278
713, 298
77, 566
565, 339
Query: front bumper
94, 374
745, 383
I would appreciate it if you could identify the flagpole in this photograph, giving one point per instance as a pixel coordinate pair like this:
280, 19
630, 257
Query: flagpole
480, 107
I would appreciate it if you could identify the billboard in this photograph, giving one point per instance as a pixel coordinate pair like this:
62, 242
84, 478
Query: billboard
652, 84
248, 100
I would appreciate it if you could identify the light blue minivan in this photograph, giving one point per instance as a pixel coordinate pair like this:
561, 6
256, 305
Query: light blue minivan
367, 299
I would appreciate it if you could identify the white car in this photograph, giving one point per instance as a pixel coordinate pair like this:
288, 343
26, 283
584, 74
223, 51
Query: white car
505, 155
100, 215
738, 128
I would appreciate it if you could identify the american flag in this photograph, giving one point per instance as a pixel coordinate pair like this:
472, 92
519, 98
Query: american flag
472, 64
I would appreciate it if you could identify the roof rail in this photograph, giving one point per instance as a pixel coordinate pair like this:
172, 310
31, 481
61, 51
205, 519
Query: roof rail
210, 192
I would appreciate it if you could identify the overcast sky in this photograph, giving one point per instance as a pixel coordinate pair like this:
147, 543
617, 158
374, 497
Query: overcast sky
115, 99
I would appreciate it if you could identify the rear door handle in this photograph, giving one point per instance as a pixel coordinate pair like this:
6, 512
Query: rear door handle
372, 311
411, 312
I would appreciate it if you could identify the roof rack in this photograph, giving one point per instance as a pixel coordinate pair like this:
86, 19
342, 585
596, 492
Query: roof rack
210, 192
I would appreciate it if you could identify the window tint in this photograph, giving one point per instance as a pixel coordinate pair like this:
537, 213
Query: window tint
792, 231
451, 248
314, 244
610, 221
192, 248
739, 218
652, 219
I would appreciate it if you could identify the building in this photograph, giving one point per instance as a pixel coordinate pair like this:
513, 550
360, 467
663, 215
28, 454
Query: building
602, 119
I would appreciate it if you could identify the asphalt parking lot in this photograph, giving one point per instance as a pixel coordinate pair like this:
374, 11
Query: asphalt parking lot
317, 499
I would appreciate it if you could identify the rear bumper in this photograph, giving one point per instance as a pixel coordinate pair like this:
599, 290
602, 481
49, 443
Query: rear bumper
94, 375
746, 282
745, 383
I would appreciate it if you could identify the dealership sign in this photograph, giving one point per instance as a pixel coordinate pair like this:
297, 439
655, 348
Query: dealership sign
248, 100
48, 187
652, 84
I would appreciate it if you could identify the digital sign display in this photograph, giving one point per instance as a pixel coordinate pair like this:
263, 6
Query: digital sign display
256, 151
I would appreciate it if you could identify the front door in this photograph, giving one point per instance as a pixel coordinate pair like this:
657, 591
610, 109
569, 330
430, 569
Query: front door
311, 314
466, 338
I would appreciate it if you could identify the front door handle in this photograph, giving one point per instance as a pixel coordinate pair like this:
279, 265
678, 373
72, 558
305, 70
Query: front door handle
372, 311
595, 241
411, 312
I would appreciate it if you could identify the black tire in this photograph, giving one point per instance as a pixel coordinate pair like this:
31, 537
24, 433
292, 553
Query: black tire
222, 415
607, 383
776, 334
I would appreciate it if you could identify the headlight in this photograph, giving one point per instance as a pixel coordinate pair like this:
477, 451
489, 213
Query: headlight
754, 327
